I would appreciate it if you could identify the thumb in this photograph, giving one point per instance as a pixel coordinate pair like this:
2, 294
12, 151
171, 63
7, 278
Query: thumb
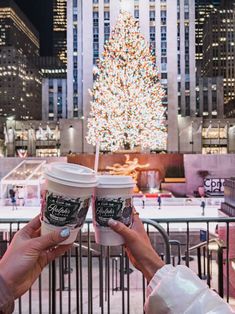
52, 239
120, 228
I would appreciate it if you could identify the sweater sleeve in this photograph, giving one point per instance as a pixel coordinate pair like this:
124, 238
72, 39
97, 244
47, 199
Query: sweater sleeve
6, 298
175, 290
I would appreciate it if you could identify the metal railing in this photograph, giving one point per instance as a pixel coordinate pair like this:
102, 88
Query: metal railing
223, 258
218, 247
95, 279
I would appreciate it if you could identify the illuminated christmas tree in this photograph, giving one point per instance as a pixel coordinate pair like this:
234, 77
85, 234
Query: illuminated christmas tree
126, 110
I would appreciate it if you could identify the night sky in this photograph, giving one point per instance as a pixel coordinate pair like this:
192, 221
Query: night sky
39, 13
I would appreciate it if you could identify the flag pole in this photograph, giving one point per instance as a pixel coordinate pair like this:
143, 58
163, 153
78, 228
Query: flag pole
97, 153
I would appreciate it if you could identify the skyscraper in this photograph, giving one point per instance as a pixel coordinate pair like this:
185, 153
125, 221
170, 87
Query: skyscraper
219, 49
59, 30
89, 24
203, 9
20, 80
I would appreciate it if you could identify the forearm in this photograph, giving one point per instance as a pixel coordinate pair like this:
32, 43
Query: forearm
179, 290
6, 298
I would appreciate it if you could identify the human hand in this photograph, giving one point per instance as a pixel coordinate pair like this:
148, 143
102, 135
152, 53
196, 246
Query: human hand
28, 254
138, 247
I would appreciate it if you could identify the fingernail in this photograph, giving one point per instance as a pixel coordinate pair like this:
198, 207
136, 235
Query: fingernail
112, 222
65, 232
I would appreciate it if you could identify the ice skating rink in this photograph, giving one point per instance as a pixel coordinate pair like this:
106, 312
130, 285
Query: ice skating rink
149, 211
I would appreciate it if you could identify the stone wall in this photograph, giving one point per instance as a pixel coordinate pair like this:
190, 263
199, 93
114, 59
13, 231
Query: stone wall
219, 166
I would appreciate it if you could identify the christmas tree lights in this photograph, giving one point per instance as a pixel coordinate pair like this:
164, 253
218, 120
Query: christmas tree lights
126, 109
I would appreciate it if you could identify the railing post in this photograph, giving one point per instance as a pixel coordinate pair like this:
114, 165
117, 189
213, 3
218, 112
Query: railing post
53, 287
101, 280
187, 258
113, 275
204, 261
220, 272
199, 263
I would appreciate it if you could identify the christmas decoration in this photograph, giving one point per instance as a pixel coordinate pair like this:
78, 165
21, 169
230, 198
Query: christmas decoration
130, 168
126, 110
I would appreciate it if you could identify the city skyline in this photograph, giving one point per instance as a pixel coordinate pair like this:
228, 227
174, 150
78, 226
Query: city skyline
20, 82
191, 98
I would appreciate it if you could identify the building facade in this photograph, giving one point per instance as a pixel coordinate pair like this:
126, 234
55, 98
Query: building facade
210, 97
42, 138
205, 136
59, 29
54, 89
89, 25
59, 138
203, 9
219, 49
20, 79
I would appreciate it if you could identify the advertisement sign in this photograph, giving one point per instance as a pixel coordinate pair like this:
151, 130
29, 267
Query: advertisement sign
214, 185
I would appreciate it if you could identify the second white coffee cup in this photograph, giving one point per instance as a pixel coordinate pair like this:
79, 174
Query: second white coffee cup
113, 199
69, 189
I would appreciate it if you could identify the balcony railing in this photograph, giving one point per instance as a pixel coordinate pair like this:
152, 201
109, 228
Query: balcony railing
95, 279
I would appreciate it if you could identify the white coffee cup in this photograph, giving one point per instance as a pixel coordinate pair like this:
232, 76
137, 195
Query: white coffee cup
113, 199
69, 189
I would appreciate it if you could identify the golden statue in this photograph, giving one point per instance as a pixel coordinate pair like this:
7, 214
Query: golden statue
130, 168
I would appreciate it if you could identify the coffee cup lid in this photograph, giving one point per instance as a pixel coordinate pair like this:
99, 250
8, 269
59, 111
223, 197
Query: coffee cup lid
70, 174
114, 181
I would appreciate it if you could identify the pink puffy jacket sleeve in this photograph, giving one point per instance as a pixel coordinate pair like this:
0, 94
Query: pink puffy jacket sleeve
175, 290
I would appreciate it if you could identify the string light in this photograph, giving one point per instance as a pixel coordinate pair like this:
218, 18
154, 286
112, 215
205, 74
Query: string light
127, 95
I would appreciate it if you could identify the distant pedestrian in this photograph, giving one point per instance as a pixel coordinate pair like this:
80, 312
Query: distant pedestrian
203, 205
13, 199
159, 200
143, 201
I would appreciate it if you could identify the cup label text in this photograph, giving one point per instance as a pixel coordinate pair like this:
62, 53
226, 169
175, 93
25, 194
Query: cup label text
63, 211
116, 208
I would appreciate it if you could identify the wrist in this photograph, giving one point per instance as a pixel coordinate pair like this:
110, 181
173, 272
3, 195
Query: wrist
9, 285
6, 285
151, 266
6, 297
